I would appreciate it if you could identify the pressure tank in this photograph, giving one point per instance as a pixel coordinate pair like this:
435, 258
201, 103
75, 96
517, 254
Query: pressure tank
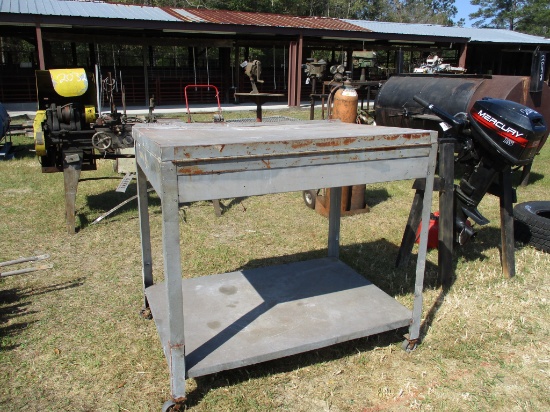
345, 104
353, 197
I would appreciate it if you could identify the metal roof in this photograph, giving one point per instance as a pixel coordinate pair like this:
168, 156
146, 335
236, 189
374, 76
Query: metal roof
99, 9
474, 34
76, 8
266, 19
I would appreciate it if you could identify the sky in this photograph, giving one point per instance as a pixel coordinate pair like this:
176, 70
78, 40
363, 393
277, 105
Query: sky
464, 8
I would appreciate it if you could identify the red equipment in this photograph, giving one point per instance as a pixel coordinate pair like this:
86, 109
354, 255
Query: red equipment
217, 117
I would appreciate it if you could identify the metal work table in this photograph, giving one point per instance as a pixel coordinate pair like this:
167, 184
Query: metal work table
224, 321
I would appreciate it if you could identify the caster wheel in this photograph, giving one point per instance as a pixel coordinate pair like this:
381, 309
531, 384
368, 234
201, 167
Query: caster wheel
169, 406
145, 313
408, 346
309, 198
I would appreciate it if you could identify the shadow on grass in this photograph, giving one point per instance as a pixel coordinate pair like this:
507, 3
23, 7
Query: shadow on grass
374, 197
375, 261
23, 151
533, 177
90, 179
12, 307
111, 199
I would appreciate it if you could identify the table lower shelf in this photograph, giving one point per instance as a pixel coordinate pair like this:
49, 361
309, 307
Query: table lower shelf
251, 316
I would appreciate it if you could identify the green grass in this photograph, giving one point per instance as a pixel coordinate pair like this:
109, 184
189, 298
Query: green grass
71, 337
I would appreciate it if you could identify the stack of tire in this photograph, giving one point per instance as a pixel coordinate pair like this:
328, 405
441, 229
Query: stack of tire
532, 224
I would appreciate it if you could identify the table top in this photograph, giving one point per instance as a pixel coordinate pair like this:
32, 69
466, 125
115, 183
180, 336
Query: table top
207, 141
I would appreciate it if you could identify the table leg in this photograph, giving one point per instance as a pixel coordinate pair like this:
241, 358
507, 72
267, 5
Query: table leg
145, 231
175, 351
334, 222
414, 330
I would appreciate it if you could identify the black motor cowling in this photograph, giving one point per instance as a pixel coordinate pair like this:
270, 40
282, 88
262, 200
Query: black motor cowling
510, 132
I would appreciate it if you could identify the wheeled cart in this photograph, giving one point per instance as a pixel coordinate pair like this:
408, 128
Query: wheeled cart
224, 321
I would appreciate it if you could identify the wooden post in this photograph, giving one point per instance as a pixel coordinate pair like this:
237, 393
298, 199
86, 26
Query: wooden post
40, 47
72, 166
145, 73
446, 211
507, 224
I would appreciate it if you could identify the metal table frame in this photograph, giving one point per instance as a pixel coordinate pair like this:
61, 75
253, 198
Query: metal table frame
191, 162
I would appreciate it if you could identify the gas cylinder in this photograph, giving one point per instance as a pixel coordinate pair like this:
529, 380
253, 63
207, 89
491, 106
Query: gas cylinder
345, 109
345, 104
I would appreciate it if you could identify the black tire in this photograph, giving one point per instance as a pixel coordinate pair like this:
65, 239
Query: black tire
310, 196
532, 224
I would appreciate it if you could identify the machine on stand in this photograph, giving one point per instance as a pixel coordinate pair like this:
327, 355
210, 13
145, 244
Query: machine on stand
70, 133
494, 136
491, 126
253, 70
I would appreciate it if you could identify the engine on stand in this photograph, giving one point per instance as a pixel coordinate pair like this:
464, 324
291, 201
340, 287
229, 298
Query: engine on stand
496, 125
70, 133
494, 135
488, 125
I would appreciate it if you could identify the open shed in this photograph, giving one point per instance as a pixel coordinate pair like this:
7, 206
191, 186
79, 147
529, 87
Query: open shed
158, 51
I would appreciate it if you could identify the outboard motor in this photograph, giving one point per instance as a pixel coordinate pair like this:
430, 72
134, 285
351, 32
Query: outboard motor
493, 135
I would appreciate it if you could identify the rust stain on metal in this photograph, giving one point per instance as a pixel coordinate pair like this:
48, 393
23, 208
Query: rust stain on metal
526, 82
349, 140
271, 20
415, 136
330, 143
192, 170
299, 145
179, 404
267, 163
333, 143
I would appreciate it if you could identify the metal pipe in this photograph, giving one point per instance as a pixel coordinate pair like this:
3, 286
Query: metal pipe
27, 270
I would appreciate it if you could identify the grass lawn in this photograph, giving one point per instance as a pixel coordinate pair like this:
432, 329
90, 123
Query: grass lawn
72, 338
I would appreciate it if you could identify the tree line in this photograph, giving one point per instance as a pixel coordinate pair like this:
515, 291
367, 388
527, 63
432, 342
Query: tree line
526, 16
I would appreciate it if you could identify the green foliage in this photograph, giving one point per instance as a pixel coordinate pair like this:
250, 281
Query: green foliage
526, 16
405, 11
499, 14
425, 11
535, 18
